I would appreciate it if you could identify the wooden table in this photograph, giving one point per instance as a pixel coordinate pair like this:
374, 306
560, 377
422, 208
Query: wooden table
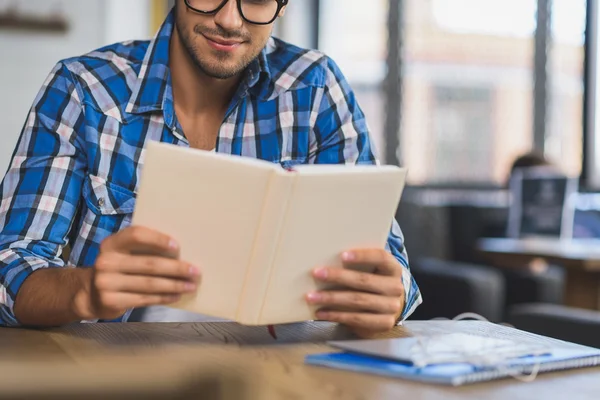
581, 258
227, 361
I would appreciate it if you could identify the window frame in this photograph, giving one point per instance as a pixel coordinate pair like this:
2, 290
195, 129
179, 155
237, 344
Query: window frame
542, 76
590, 176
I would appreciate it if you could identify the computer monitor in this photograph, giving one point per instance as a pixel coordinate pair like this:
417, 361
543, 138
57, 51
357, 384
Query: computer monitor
542, 203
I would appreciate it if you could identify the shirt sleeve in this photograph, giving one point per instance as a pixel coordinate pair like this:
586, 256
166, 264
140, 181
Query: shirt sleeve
40, 192
341, 136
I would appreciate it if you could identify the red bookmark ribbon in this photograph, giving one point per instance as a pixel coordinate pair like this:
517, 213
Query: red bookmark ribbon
271, 329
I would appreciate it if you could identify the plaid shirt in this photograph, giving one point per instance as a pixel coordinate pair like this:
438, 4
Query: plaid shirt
75, 172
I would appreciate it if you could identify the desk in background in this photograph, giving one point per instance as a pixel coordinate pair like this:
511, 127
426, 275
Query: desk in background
580, 257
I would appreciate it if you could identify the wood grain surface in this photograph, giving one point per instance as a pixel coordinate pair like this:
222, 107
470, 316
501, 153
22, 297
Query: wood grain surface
227, 361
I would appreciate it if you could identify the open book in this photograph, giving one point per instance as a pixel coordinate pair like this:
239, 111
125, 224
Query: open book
257, 231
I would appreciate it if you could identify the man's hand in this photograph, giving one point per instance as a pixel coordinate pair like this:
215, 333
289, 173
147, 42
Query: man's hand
136, 267
368, 303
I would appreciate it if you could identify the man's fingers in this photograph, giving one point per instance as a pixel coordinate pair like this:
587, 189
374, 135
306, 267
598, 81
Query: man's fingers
146, 265
356, 301
124, 301
380, 260
139, 240
361, 281
370, 322
113, 282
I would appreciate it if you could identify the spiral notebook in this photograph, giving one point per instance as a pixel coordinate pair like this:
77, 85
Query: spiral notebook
392, 358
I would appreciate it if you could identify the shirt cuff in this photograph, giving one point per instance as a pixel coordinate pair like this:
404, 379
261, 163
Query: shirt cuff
15, 269
412, 296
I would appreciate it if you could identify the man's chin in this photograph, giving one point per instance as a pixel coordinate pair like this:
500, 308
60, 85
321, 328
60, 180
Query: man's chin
220, 73
218, 70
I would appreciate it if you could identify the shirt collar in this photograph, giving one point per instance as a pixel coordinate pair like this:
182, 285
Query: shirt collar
152, 90
258, 76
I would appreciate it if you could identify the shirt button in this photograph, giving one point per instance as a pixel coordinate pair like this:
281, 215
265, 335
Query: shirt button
101, 201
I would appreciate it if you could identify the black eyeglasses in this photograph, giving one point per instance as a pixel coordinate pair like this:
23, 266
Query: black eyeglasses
259, 12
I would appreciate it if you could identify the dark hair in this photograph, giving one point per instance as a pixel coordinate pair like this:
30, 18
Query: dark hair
529, 160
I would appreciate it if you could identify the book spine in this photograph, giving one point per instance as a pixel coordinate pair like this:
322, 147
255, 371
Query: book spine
282, 225
263, 253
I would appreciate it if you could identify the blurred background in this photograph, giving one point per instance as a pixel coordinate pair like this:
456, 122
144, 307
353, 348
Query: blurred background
466, 72
455, 90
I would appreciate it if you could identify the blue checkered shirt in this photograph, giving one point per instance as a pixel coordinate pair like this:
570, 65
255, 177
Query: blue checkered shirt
74, 174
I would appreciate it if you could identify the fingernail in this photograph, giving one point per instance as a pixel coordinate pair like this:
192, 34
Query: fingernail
194, 271
190, 287
314, 297
173, 244
321, 273
348, 256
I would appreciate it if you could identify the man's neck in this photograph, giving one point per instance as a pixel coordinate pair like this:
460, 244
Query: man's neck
194, 91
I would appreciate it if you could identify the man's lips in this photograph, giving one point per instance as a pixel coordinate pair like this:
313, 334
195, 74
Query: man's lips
223, 44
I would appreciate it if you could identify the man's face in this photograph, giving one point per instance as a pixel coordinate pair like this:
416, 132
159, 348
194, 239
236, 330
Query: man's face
221, 45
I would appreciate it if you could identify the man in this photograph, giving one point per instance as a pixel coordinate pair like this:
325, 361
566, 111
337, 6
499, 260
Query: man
213, 79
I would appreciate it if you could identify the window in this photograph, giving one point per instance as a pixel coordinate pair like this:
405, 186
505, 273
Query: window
459, 116
467, 82
564, 134
467, 103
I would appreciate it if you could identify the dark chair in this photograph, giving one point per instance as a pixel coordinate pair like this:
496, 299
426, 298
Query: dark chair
470, 223
451, 288
560, 322
526, 286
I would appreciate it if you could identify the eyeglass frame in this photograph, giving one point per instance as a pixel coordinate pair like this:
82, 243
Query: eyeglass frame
280, 5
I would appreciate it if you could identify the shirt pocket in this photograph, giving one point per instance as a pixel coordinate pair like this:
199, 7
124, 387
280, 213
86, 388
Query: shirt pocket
109, 207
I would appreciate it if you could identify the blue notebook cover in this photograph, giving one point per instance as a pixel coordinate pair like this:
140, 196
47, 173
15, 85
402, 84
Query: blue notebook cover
458, 374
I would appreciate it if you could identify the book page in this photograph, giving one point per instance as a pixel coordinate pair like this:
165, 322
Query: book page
331, 210
211, 204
